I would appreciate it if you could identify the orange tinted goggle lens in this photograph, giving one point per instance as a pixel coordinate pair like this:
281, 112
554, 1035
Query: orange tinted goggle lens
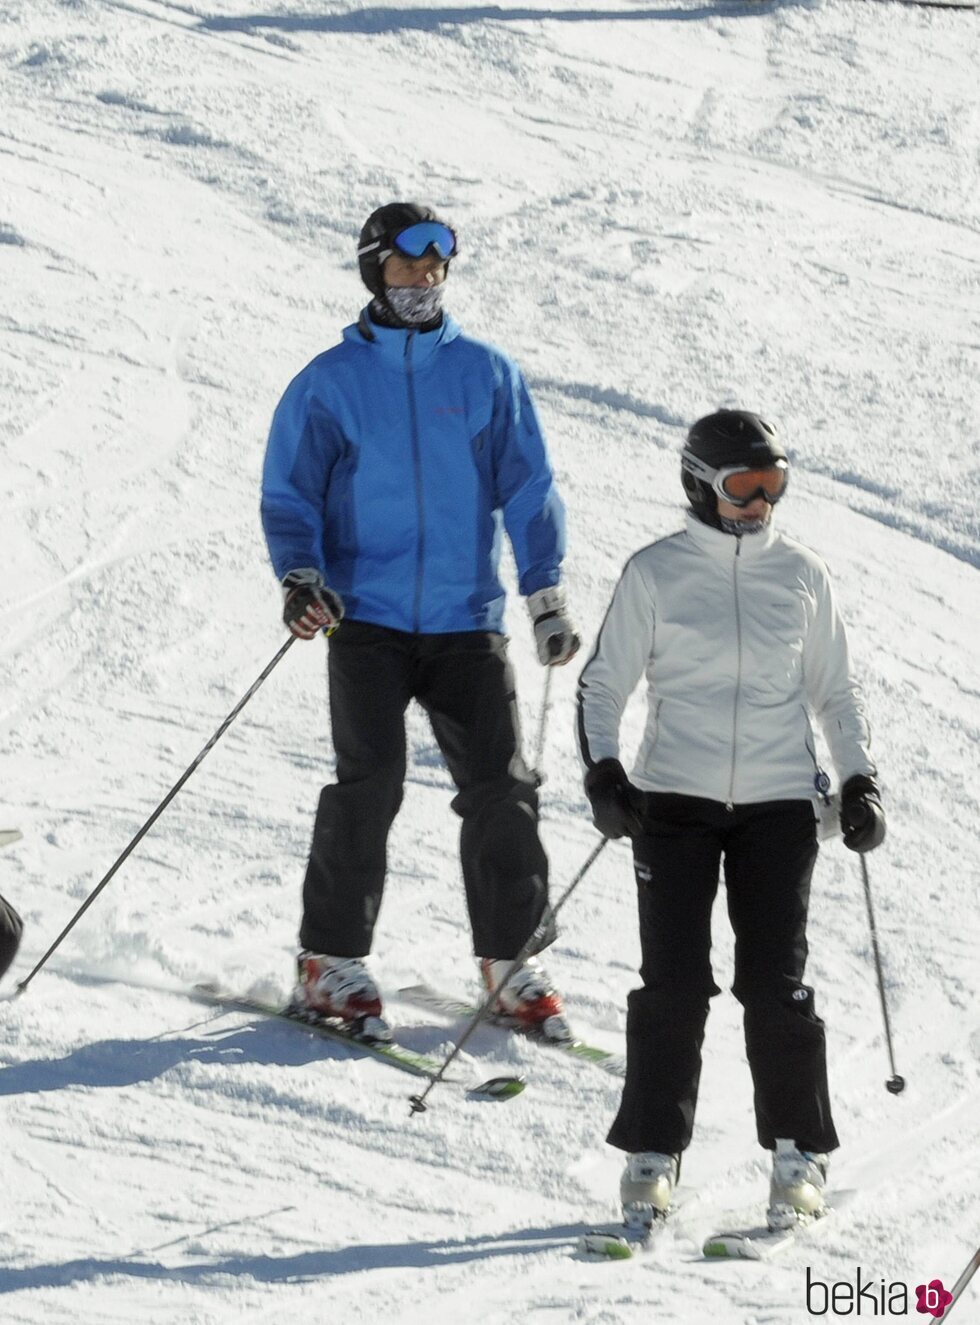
748, 482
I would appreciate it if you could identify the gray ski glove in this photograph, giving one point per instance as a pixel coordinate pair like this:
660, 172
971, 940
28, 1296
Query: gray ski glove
310, 606
556, 638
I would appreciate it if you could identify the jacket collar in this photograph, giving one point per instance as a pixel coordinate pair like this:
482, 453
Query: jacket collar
392, 342
724, 547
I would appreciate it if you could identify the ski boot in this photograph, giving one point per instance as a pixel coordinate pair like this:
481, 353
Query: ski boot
797, 1189
528, 997
340, 988
647, 1188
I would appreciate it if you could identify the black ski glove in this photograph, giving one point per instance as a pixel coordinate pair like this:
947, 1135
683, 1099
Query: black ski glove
862, 819
310, 606
613, 799
10, 931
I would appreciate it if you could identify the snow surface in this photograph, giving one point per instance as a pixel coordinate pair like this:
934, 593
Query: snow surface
664, 209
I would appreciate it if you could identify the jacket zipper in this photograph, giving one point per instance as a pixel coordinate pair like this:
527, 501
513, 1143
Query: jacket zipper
730, 803
417, 465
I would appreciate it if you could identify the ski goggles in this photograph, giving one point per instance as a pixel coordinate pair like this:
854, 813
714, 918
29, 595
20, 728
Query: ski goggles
740, 484
417, 239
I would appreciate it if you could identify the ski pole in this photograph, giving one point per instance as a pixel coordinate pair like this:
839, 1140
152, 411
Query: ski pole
895, 1084
972, 1265
544, 925
22, 985
543, 725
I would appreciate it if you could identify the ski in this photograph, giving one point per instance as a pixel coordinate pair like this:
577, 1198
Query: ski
9, 835
936, 4
386, 1051
966, 5
624, 1241
425, 997
608, 1246
762, 1243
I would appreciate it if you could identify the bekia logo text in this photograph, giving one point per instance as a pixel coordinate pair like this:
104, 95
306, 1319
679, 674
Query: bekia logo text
873, 1297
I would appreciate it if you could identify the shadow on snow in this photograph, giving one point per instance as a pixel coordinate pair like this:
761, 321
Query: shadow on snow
116, 1063
304, 1266
392, 19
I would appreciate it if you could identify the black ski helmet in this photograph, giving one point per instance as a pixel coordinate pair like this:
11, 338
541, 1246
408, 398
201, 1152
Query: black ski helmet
728, 437
377, 234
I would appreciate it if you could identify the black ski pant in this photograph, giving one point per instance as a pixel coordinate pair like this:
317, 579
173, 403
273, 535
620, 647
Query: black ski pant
10, 931
465, 684
769, 851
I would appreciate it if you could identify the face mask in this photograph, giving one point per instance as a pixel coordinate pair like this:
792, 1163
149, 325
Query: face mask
415, 304
740, 527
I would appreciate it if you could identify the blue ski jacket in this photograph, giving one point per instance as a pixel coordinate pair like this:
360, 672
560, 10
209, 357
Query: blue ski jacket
394, 461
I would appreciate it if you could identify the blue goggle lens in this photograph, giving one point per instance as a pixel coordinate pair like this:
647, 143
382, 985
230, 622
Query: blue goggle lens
419, 238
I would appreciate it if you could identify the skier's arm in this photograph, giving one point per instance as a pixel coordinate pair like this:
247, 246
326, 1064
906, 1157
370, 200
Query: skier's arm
833, 692
622, 652
524, 486
304, 442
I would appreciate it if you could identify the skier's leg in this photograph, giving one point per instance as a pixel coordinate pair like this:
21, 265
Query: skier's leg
769, 857
467, 688
370, 671
676, 860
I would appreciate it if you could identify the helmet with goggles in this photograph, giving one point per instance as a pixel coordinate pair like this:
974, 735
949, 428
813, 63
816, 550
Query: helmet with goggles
408, 228
736, 456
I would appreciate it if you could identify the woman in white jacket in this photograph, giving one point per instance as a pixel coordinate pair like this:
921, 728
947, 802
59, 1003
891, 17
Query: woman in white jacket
735, 628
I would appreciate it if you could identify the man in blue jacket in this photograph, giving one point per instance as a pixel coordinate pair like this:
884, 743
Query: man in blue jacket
395, 462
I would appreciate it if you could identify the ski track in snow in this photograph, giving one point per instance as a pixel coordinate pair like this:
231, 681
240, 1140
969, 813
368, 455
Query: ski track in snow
663, 210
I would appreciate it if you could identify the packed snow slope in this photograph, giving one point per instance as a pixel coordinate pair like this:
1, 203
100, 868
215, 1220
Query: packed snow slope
663, 209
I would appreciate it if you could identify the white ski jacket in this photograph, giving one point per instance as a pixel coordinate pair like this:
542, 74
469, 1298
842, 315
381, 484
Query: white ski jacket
740, 641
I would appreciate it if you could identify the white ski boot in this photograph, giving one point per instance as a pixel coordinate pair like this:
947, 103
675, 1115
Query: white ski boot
797, 1189
340, 987
528, 996
647, 1188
